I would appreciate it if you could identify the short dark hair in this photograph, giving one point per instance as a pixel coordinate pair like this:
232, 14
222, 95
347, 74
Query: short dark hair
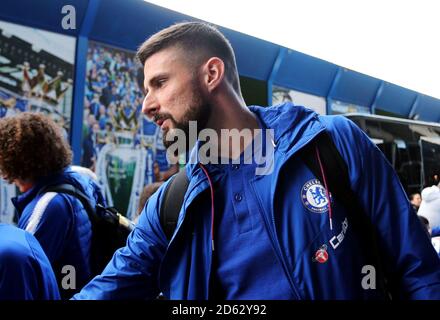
32, 146
412, 195
200, 40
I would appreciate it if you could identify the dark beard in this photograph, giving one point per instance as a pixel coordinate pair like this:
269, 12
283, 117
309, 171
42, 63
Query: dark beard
200, 111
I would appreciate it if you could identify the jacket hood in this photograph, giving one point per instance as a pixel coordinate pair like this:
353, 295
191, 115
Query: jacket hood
67, 176
431, 194
289, 121
430, 206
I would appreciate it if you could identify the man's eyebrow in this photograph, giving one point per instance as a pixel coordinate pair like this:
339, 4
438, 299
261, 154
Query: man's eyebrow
154, 80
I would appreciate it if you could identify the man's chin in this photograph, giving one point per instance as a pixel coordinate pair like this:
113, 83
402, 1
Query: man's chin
169, 137
176, 137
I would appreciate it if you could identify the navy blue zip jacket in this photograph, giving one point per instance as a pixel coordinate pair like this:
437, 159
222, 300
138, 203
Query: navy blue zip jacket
315, 261
25, 271
61, 225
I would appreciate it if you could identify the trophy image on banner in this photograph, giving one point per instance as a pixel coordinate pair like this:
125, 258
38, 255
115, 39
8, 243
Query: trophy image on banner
7, 191
120, 169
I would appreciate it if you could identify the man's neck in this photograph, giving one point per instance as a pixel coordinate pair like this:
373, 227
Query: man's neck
235, 126
23, 185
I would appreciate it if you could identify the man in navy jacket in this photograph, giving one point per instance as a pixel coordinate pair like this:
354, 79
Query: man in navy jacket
34, 155
247, 231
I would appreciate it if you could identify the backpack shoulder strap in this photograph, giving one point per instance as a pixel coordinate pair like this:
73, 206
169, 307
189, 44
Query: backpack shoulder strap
338, 182
336, 171
172, 203
75, 192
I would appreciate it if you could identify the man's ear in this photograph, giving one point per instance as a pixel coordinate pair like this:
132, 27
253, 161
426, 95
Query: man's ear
213, 71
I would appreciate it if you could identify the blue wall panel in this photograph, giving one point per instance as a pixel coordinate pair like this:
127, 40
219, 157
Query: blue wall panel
42, 14
126, 24
396, 99
354, 87
305, 73
428, 109
255, 57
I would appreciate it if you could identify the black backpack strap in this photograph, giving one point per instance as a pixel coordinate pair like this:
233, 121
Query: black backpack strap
73, 191
338, 183
172, 203
336, 172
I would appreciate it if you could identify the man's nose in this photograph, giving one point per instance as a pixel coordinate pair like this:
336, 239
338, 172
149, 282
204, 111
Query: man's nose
150, 106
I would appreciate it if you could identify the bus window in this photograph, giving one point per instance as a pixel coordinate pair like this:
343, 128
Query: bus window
430, 152
411, 147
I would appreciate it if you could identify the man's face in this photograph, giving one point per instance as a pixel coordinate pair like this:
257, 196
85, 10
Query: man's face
22, 185
91, 119
417, 200
173, 93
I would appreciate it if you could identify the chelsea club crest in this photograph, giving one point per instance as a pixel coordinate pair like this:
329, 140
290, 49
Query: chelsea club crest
314, 197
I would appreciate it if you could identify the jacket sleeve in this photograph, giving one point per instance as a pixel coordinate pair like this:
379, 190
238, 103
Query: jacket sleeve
25, 272
18, 280
133, 271
408, 253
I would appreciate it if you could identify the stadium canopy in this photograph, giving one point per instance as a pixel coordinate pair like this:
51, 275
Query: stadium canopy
126, 24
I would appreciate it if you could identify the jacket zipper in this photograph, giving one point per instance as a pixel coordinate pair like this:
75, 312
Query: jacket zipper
275, 243
273, 237
178, 228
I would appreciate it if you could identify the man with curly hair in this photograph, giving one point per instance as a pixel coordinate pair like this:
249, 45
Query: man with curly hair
34, 155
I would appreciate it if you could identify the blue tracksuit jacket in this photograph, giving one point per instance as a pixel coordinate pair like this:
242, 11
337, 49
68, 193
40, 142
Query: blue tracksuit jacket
317, 263
64, 228
25, 271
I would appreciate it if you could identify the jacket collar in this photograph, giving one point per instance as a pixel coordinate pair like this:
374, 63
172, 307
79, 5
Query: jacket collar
292, 126
66, 176
295, 124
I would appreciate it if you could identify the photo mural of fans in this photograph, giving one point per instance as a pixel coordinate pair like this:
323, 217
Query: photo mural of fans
120, 144
36, 72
